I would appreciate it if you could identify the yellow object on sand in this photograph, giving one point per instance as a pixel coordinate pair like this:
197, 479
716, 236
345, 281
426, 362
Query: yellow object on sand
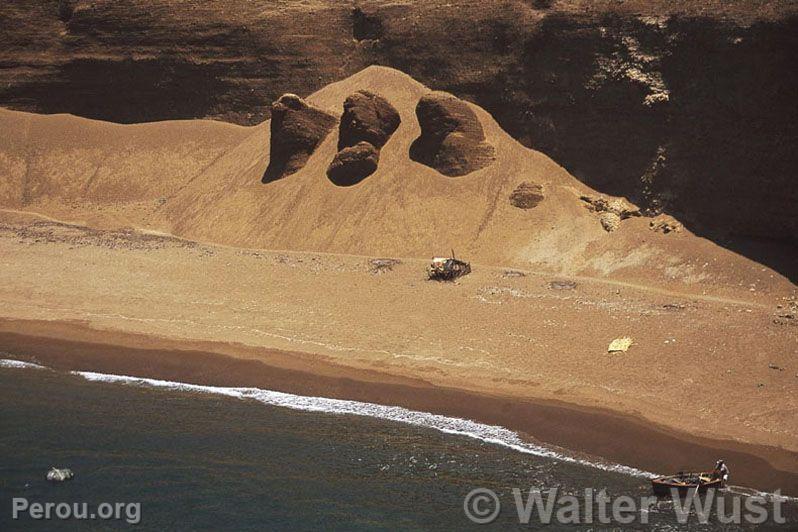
619, 344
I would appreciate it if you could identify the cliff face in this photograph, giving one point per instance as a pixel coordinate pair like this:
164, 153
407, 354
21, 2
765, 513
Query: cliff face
684, 106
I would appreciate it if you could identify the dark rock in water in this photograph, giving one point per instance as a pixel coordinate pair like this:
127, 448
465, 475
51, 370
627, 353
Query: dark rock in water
353, 164
59, 475
366, 125
527, 195
297, 129
452, 140
367, 117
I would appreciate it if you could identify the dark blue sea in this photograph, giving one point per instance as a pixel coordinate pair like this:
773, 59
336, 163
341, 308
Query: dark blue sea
172, 457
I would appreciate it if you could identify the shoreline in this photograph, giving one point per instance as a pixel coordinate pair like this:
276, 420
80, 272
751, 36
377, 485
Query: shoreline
618, 437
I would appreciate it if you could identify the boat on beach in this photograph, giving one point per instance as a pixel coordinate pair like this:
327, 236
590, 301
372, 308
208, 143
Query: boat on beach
684, 481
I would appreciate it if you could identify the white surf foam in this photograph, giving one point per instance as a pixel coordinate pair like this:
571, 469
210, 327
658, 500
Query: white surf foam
450, 425
10, 363
749, 492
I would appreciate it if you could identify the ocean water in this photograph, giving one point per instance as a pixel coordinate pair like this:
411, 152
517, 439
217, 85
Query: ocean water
201, 458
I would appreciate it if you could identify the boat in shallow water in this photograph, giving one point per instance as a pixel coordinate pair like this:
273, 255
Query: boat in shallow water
684, 481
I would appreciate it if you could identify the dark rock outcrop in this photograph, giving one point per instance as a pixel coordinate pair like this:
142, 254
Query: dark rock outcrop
452, 140
367, 117
368, 122
65, 9
527, 195
365, 26
665, 224
297, 129
353, 164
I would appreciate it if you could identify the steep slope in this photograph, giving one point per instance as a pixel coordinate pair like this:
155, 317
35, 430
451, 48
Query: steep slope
202, 180
684, 105
77, 168
404, 208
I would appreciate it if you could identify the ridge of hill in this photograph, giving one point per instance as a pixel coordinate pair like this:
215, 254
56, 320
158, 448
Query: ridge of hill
202, 180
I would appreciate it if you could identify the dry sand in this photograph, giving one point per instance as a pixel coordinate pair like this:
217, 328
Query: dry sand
691, 382
88, 254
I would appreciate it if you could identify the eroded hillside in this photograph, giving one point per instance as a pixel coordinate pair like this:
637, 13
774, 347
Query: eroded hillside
684, 106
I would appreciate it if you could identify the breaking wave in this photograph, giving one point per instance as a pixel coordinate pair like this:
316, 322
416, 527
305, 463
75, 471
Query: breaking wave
10, 363
449, 425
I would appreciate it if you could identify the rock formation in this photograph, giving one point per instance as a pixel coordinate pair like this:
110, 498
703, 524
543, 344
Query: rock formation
527, 195
618, 206
606, 89
452, 140
665, 224
353, 164
368, 122
367, 117
297, 129
609, 221
611, 211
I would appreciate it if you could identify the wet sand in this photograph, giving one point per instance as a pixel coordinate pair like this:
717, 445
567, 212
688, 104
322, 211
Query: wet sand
620, 438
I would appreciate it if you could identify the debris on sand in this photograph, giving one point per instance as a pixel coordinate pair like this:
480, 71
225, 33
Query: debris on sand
447, 269
786, 319
452, 140
380, 266
527, 195
562, 285
788, 315
59, 475
774, 366
620, 345
513, 273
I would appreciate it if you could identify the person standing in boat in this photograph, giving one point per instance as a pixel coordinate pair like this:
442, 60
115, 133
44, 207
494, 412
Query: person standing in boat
721, 471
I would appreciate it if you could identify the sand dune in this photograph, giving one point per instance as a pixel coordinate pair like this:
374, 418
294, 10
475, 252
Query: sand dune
97, 171
202, 180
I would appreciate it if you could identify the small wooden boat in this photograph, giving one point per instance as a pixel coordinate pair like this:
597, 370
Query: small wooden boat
683, 481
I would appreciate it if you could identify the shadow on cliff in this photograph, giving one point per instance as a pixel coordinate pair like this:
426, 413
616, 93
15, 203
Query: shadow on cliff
129, 91
695, 116
691, 116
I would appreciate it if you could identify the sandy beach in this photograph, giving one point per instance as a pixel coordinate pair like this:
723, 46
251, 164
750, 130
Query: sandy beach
525, 351
593, 433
